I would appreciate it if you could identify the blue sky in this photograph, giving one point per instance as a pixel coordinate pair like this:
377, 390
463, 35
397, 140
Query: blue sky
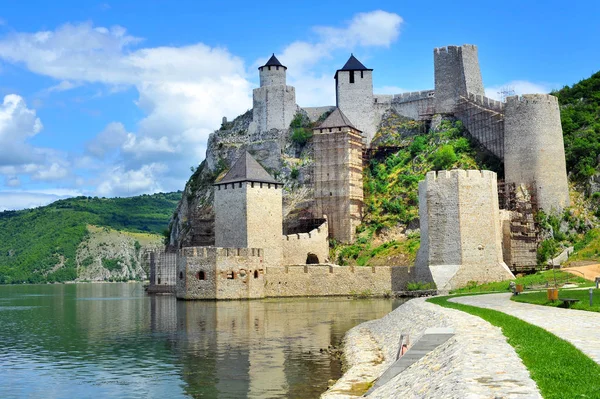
118, 98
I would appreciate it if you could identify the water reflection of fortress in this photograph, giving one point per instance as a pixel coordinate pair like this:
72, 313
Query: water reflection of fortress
258, 348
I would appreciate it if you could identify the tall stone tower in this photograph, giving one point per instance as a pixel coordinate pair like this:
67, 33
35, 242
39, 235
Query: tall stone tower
274, 103
461, 237
457, 73
248, 210
354, 96
534, 151
338, 175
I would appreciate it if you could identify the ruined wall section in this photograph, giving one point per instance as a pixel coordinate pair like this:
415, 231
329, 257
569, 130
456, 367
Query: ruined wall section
355, 100
460, 229
338, 180
416, 105
534, 150
296, 247
457, 73
220, 273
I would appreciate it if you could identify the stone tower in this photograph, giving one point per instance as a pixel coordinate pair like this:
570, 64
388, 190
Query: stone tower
457, 74
534, 152
461, 238
274, 103
354, 96
248, 210
338, 175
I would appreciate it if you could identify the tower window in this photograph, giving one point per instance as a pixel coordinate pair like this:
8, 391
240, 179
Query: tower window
201, 275
256, 274
361, 74
351, 76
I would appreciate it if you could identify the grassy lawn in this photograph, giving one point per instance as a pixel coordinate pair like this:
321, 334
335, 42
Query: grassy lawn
540, 298
559, 369
531, 281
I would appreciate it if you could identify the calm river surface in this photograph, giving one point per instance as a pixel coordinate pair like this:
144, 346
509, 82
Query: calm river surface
114, 341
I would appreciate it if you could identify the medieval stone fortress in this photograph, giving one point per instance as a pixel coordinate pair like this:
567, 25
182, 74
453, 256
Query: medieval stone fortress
473, 227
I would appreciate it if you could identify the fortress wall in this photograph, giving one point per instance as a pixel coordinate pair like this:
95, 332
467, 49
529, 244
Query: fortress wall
314, 113
456, 73
296, 247
461, 236
484, 122
274, 107
338, 181
264, 220
329, 280
230, 215
534, 148
356, 100
229, 273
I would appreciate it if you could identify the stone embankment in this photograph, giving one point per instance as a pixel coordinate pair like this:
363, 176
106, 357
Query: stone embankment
476, 362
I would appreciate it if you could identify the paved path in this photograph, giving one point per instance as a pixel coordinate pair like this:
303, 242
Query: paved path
579, 327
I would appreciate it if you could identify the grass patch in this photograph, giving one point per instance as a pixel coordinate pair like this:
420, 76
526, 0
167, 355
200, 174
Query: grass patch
540, 298
559, 369
538, 280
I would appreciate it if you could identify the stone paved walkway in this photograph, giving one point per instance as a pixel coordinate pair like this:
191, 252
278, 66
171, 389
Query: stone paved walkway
579, 327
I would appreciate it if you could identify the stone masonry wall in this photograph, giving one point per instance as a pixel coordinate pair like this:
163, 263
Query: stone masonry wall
231, 215
356, 101
265, 220
534, 151
220, 273
329, 280
456, 73
338, 180
272, 76
460, 228
296, 247
274, 107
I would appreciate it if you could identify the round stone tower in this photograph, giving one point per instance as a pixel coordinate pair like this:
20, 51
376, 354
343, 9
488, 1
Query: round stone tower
272, 73
534, 151
274, 103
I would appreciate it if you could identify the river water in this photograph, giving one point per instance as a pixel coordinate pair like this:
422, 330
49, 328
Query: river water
114, 341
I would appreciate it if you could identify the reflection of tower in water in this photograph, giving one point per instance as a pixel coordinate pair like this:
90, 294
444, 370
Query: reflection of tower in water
258, 348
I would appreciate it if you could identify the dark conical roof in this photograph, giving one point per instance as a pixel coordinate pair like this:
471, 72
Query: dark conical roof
354, 65
247, 169
273, 61
336, 119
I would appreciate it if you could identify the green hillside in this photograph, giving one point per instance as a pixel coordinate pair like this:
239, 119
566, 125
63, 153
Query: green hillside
34, 241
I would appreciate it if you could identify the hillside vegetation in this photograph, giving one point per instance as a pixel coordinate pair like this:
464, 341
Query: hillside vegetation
391, 184
39, 245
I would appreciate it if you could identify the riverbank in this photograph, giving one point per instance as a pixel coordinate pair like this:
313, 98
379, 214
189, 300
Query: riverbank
476, 362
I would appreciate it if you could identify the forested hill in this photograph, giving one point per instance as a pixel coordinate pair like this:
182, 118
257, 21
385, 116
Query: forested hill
580, 116
40, 244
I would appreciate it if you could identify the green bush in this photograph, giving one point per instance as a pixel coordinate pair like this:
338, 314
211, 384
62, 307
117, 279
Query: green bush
444, 157
300, 135
419, 286
294, 173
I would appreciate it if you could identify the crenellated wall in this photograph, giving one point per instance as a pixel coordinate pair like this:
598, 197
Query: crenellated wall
220, 273
461, 238
296, 247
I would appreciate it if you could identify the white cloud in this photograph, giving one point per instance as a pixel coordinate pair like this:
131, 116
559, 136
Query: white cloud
108, 140
517, 87
53, 172
12, 181
21, 199
17, 124
389, 90
122, 182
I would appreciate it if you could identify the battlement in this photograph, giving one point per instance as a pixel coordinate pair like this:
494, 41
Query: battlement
327, 269
413, 96
486, 102
213, 252
514, 101
462, 174
454, 49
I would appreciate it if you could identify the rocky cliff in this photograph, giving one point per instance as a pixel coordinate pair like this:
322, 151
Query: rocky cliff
286, 154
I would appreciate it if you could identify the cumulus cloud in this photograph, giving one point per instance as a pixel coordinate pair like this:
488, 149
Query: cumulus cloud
517, 87
20, 199
17, 125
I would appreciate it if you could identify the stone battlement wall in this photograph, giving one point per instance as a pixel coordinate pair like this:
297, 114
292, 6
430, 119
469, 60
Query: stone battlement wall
486, 102
461, 174
331, 280
207, 252
296, 247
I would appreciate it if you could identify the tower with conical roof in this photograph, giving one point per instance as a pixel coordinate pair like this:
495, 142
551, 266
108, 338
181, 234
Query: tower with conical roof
248, 209
274, 102
338, 175
354, 96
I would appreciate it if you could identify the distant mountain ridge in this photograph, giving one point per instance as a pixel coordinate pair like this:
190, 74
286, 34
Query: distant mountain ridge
41, 244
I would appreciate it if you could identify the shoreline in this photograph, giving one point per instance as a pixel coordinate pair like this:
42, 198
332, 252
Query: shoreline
476, 362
